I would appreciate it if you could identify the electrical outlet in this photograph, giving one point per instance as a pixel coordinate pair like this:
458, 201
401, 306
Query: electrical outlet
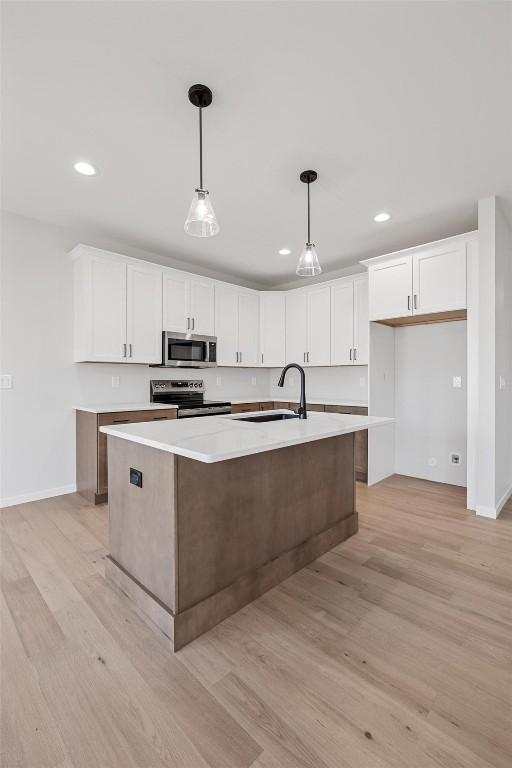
5, 381
457, 382
432, 462
115, 382
218, 381
253, 381
454, 458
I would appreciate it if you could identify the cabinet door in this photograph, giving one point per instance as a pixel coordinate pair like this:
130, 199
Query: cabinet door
248, 329
107, 339
202, 306
226, 325
272, 329
144, 314
439, 279
296, 327
176, 302
361, 323
390, 289
342, 323
319, 326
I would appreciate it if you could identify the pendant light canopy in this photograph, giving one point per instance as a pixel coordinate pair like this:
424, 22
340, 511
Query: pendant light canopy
308, 265
201, 220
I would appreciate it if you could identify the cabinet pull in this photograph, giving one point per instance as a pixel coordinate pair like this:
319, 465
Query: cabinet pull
193, 323
262, 358
307, 357
237, 357
188, 323
415, 301
355, 354
130, 348
409, 303
124, 350
350, 354
159, 418
121, 421
240, 357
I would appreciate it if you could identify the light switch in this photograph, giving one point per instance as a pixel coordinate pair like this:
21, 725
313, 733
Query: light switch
457, 382
5, 381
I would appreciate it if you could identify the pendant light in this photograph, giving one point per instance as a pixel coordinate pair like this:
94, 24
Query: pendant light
308, 265
201, 220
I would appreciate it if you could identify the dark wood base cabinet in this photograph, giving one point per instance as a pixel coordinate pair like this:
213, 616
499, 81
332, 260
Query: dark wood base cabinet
91, 447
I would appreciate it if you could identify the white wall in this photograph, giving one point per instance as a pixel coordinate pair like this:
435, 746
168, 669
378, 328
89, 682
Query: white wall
431, 415
494, 449
37, 420
346, 382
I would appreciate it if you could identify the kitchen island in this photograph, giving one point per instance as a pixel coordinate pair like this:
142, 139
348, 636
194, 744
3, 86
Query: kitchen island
207, 514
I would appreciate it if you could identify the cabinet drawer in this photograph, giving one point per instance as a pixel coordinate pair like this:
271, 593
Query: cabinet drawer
133, 417
245, 407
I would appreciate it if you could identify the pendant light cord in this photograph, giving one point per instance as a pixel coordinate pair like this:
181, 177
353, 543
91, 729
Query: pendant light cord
200, 147
309, 219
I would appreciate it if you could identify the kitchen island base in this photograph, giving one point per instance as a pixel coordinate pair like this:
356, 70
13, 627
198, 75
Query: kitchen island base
198, 541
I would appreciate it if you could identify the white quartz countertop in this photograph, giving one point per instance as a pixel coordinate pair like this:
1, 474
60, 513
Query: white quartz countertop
310, 399
119, 407
218, 438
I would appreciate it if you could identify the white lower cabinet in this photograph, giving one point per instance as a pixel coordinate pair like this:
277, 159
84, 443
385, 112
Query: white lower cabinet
117, 308
237, 326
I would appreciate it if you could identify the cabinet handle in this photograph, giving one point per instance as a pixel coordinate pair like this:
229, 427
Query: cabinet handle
240, 357
350, 354
415, 301
124, 350
130, 348
159, 418
193, 323
355, 354
262, 358
188, 323
121, 421
307, 357
409, 303
237, 357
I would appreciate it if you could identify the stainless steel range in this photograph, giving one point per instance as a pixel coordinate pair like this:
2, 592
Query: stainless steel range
188, 395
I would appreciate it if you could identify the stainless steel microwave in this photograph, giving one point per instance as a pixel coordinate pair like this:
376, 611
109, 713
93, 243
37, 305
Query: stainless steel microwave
187, 350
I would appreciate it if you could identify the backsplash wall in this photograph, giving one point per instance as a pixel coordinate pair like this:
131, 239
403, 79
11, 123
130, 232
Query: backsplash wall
339, 382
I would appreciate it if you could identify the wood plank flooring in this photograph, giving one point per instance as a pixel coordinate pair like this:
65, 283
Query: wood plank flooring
394, 650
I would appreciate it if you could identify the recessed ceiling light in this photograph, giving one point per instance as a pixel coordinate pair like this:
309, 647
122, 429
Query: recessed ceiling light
284, 251
86, 169
380, 217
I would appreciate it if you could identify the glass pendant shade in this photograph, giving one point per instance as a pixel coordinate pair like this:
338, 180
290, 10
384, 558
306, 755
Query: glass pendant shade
201, 220
308, 265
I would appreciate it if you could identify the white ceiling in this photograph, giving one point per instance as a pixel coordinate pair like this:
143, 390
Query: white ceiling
402, 107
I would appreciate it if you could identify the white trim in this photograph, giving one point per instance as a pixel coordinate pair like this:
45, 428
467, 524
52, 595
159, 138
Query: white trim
11, 501
494, 512
412, 248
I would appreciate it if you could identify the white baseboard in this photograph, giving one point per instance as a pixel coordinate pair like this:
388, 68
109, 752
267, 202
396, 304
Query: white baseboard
10, 501
494, 512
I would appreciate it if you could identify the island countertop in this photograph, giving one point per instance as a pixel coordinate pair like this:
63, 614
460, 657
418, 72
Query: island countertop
218, 438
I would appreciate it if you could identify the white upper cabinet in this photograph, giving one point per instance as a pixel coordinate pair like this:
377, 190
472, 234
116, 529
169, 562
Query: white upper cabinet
296, 327
439, 278
308, 326
426, 280
248, 329
318, 351
361, 322
117, 308
342, 323
188, 303
105, 310
144, 313
390, 288
349, 321
201, 306
236, 326
272, 329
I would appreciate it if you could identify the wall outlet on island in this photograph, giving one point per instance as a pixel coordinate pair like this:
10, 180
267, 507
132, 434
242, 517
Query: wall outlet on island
115, 382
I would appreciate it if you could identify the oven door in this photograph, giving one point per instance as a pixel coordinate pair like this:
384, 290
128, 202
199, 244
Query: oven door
185, 350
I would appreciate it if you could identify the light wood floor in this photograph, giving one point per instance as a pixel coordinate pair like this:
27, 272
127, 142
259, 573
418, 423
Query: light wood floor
392, 651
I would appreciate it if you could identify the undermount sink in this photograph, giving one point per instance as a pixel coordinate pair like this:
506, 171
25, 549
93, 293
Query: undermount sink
269, 417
